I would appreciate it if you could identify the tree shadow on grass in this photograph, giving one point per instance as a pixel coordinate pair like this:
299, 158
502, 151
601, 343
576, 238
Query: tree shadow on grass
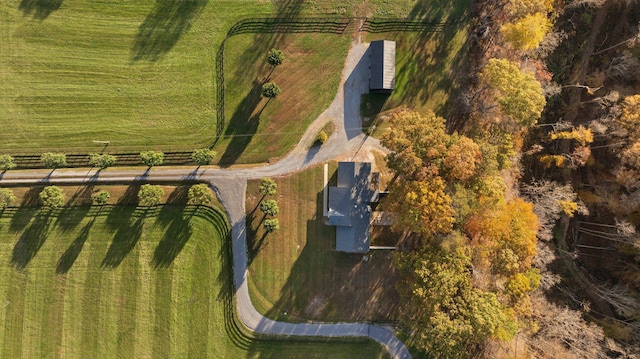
39, 9
163, 27
124, 241
27, 209
242, 125
31, 241
175, 236
71, 254
254, 244
127, 223
69, 217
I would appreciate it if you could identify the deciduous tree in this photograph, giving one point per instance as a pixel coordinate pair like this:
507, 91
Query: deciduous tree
100, 198
151, 158
150, 195
200, 194
513, 226
268, 186
269, 207
526, 33
203, 156
423, 207
6, 163
271, 225
630, 116
447, 316
418, 144
462, 158
51, 197
270, 90
53, 160
524, 7
519, 94
7, 198
101, 161
275, 57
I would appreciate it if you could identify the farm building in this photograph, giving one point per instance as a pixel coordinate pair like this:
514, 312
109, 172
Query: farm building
349, 206
382, 66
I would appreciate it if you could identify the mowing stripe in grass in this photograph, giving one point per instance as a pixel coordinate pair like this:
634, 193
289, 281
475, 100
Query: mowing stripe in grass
143, 320
162, 337
126, 326
89, 302
14, 321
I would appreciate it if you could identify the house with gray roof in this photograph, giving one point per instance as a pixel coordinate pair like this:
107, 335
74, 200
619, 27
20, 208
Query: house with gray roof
382, 66
349, 206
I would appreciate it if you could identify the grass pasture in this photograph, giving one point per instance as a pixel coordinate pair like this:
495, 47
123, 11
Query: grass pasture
139, 74
122, 282
258, 130
296, 269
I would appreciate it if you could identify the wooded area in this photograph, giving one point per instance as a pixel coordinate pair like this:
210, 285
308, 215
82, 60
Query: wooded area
521, 208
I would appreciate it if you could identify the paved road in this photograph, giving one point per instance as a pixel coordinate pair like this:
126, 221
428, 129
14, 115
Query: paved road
230, 184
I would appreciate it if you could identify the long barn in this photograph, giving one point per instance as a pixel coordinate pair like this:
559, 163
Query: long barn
382, 68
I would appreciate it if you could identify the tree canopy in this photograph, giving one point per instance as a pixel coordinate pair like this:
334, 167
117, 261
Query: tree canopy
53, 160
271, 225
275, 57
150, 195
448, 315
417, 142
526, 33
151, 158
100, 198
268, 186
269, 207
519, 94
511, 226
7, 198
423, 207
203, 156
6, 163
200, 194
102, 160
52, 197
462, 158
270, 90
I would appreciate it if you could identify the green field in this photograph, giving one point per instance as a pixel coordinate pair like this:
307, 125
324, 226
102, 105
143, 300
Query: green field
139, 74
122, 282
142, 74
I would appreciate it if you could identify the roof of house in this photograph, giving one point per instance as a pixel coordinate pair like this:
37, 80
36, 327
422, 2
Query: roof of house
349, 207
382, 67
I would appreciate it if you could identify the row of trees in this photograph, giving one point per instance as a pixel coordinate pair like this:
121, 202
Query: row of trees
269, 207
52, 197
201, 157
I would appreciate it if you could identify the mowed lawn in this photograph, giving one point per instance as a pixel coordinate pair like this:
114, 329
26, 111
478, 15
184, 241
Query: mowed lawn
295, 273
122, 282
137, 73
258, 130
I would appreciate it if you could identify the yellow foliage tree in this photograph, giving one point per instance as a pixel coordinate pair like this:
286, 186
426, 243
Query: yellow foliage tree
580, 134
462, 158
519, 94
423, 207
512, 226
526, 33
417, 142
548, 160
631, 156
630, 116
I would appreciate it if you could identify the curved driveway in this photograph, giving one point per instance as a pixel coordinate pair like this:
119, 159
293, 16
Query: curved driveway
230, 185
